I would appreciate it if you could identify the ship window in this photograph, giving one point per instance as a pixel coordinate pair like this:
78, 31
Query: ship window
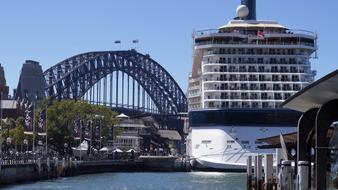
229, 146
197, 146
206, 142
230, 141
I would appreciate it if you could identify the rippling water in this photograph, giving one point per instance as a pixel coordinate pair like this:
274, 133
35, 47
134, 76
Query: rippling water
143, 181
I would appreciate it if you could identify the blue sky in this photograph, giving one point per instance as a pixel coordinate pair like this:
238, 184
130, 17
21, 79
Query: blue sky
51, 31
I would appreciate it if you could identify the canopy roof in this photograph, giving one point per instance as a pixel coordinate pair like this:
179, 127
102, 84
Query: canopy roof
314, 95
290, 139
122, 116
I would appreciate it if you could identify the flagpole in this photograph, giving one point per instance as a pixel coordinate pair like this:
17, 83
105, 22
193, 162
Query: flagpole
33, 128
46, 132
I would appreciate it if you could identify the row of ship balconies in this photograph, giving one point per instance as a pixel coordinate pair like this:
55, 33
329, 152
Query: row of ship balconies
271, 62
253, 87
253, 43
255, 70
257, 51
240, 104
258, 79
247, 96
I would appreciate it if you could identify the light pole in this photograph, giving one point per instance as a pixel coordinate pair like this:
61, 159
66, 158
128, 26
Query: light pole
25, 142
65, 151
40, 146
0, 129
9, 141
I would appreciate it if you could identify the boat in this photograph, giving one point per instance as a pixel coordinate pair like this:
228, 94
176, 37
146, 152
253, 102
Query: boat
241, 74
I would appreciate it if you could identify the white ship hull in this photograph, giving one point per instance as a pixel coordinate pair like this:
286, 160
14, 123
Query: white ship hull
227, 148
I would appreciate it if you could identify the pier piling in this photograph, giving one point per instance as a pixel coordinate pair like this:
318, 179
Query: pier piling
303, 175
249, 173
268, 169
286, 176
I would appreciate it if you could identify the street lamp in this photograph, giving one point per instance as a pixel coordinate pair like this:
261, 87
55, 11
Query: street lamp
40, 145
25, 142
66, 146
9, 141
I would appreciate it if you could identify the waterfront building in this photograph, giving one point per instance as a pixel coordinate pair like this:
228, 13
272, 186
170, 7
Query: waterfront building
31, 83
4, 89
242, 72
143, 135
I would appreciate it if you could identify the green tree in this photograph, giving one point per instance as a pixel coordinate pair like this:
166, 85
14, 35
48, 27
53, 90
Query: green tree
61, 116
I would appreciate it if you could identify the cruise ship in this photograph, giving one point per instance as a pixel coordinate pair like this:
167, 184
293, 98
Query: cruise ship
241, 74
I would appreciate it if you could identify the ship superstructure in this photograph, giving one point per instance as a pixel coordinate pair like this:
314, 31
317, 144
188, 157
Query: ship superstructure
249, 64
241, 74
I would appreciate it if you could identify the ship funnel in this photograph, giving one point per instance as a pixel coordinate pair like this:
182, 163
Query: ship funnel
251, 4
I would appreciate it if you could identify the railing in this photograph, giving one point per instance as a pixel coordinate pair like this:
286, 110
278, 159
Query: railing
253, 34
254, 43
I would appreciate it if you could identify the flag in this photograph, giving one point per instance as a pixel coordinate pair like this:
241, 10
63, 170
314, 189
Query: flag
135, 41
42, 123
28, 114
88, 131
260, 35
98, 132
117, 41
77, 128
111, 134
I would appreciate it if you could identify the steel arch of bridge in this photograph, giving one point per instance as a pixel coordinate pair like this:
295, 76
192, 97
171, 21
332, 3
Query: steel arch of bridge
73, 77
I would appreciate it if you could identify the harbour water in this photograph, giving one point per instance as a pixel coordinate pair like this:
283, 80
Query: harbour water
143, 181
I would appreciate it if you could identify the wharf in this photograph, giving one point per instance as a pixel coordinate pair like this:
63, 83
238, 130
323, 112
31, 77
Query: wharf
19, 171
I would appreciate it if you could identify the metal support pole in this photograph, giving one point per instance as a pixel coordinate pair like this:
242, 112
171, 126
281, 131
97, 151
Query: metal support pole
117, 88
259, 172
122, 89
138, 96
0, 132
255, 172
34, 129
133, 94
128, 90
46, 132
105, 91
111, 89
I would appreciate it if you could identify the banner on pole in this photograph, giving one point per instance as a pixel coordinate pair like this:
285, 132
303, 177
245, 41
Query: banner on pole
77, 129
42, 123
97, 132
111, 134
88, 131
28, 114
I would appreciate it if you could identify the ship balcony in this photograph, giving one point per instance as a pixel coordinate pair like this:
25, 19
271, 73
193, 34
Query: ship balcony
238, 99
246, 33
296, 45
194, 87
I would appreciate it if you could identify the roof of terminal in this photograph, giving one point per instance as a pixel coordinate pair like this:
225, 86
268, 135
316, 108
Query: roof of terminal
315, 95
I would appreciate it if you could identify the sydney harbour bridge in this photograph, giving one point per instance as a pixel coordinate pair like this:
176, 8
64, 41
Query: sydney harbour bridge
127, 81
